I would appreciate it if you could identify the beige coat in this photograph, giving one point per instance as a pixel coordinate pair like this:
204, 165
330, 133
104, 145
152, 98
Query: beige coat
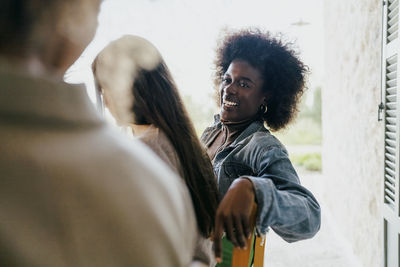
74, 192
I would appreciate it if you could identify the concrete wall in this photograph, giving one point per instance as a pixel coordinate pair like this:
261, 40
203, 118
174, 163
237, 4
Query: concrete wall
352, 137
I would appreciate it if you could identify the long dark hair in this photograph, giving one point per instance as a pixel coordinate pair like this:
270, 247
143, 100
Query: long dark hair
157, 102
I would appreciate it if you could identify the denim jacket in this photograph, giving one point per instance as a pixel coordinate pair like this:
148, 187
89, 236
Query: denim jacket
283, 203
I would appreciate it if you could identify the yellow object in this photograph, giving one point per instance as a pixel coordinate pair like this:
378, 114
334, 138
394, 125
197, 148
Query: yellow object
240, 257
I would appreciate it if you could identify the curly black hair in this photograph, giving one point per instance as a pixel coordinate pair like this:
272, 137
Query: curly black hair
283, 72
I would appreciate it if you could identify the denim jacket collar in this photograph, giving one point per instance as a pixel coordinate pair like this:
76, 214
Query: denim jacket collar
254, 127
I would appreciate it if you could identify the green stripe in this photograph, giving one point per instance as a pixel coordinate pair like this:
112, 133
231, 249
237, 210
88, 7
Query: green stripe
227, 252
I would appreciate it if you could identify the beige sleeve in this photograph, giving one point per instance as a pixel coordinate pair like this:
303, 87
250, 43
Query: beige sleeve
127, 209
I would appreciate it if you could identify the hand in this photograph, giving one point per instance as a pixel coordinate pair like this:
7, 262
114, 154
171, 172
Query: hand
233, 215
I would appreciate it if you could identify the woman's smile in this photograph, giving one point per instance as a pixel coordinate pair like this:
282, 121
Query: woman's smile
230, 104
241, 92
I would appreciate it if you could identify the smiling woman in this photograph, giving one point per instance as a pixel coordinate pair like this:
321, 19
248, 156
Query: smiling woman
260, 80
241, 92
274, 67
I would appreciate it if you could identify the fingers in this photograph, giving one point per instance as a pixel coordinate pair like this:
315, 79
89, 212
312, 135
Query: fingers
230, 230
246, 226
219, 229
240, 237
235, 228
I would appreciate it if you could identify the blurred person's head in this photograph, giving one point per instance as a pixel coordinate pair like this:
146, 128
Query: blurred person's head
137, 87
51, 32
259, 76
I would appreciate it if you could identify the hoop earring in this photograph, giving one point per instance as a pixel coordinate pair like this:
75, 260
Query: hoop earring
263, 108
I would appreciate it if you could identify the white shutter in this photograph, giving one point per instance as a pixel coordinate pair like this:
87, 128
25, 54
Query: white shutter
392, 20
390, 74
390, 131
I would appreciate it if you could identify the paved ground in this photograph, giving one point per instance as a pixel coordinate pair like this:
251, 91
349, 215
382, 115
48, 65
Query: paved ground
326, 249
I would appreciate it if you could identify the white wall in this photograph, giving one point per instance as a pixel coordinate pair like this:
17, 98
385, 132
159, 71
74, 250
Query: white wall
352, 137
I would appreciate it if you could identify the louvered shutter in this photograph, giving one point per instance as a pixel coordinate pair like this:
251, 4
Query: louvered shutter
391, 211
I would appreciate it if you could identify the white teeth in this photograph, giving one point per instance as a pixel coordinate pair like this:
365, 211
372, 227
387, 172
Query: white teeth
229, 103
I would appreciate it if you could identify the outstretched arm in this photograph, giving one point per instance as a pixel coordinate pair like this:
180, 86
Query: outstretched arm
283, 204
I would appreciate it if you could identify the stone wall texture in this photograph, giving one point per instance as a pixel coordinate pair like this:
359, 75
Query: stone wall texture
352, 137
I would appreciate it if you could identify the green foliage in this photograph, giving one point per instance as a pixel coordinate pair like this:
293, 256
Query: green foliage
306, 129
310, 161
313, 112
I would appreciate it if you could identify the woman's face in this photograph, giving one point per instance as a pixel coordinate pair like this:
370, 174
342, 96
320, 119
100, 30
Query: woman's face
241, 92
